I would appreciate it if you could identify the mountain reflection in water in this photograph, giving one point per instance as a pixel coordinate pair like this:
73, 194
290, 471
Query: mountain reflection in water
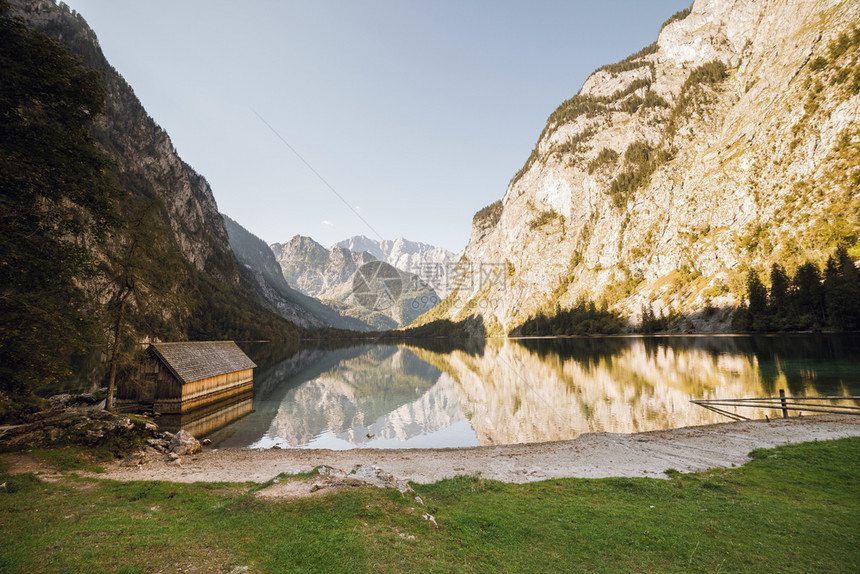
517, 391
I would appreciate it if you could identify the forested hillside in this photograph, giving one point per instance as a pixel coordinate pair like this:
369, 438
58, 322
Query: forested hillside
108, 237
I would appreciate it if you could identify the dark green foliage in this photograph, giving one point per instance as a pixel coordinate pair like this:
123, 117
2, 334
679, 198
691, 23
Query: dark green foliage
633, 86
756, 295
752, 317
638, 153
576, 144
847, 74
779, 282
803, 302
708, 74
584, 318
842, 43
488, 216
631, 62
631, 105
818, 63
574, 107
54, 204
652, 323
807, 293
777, 299
545, 217
652, 100
842, 291
642, 162
471, 327
705, 75
680, 15
219, 312
607, 156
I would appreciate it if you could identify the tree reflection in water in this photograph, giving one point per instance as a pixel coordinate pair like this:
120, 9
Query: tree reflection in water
527, 390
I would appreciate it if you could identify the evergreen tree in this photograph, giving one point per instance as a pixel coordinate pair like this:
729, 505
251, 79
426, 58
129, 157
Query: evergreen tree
779, 282
139, 264
807, 296
842, 291
778, 302
757, 306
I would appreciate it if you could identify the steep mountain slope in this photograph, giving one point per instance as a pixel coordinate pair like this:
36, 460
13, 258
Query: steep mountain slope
272, 289
729, 144
330, 276
187, 281
315, 270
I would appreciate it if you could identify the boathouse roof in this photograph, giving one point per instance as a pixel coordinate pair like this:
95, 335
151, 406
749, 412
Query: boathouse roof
194, 361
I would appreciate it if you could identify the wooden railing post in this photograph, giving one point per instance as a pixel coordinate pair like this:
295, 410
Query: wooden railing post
782, 400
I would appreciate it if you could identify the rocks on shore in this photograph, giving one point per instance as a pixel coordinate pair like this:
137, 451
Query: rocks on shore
167, 447
82, 419
183, 443
329, 479
78, 419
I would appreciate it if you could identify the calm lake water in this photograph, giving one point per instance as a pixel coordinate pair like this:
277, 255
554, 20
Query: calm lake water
516, 391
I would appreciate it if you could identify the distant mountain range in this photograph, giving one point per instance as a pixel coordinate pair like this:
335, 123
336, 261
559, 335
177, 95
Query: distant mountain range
272, 289
407, 255
330, 276
315, 287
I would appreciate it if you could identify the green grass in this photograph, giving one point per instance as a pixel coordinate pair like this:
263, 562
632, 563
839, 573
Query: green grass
792, 509
70, 457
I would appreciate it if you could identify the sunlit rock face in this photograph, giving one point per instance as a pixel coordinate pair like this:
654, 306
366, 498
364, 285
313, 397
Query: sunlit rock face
757, 169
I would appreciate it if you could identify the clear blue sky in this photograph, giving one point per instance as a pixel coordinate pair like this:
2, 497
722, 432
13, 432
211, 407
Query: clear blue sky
416, 113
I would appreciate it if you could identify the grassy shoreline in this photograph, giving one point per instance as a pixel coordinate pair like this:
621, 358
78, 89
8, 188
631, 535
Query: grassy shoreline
791, 509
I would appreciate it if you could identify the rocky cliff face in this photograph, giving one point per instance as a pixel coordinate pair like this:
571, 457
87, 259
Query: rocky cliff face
330, 276
272, 289
141, 150
200, 285
315, 270
729, 144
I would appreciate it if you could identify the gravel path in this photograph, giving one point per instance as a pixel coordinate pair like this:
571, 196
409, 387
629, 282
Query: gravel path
593, 455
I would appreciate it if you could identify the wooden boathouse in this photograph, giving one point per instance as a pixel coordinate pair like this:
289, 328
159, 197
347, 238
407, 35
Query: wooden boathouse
178, 378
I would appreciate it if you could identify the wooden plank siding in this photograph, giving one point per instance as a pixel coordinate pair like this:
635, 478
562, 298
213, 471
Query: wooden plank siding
179, 378
199, 393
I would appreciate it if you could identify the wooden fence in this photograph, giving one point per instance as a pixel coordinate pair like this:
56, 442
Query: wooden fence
821, 404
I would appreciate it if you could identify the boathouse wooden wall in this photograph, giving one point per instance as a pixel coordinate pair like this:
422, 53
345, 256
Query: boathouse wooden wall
174, 397
157, 386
